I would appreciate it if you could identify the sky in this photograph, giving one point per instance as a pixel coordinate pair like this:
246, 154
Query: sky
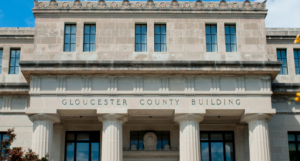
282, 13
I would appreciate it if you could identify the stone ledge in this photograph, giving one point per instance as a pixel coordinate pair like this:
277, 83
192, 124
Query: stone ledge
285, 88
14, 88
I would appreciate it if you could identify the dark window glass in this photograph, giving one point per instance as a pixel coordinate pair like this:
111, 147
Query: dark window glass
70, 38
140, 38
14, 61
3, 136
1, 58
160, 38
217, 146
89, 38
281, 56
294, 146
82, 146
137, 139
297, 61
230, 38
211, 38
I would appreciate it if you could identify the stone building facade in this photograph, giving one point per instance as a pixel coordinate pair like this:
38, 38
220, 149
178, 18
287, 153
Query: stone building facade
151, 81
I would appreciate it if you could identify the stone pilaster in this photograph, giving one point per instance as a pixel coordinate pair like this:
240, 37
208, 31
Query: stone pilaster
112, 136
43, 133
189, 136
259, 143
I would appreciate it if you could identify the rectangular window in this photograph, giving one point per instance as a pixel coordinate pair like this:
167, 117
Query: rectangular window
70, 38
160, 38
281, 56
14, 61
297, 61
1, 58
89, 38
294, 145
140, 38
217, 146
137, 139
211, 38
230, 38
3, 136
82, 146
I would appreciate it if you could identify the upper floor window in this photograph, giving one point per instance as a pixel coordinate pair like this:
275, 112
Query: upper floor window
89, 38
230, 38
3, 136
297, 61
82, 146
14, 61
141, 38
70, 38
160, 38
281, 56
217, 146
294, 146
211, 38
137, 139
1, 58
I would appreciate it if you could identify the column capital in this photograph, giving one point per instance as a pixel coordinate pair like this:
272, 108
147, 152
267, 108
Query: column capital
112, 117
189, 117
258, 116
45, 117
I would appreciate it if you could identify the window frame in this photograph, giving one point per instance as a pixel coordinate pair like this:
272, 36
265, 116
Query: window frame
65, 34
296, 142
209, 141
16, 62
281, 59
230, 34
160, 25
297, 59
141, 35
90, 33
75, 141
169, 140
210, 34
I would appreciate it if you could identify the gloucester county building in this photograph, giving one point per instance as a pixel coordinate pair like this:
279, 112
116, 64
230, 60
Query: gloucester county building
151, 81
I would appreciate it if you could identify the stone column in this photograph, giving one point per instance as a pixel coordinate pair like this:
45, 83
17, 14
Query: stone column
189, 136
112, 136
259, 143
42, 133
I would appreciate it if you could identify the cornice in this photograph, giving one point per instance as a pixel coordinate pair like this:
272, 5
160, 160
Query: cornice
45, 117
164, 6
189, 117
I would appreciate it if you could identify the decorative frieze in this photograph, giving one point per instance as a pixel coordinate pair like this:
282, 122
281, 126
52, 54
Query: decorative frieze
112, 85
87, 84
240, 85
265, 85
190, 85
164, 86
138, 86
6, 104
35, 84
215, 85
61, 84
150, 5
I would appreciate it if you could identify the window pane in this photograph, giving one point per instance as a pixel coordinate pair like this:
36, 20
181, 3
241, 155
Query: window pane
163, 29
82, 152
73, 38
216, 136
207, 29
144, 47
157, 38
92, 39
12, 62
68, 29
157, 48
137, 29
86, 38
163, 48
93, 29
86, 47
232, 29
13, 53
228, 136
144, 38
232, 39
134, 139
292, 152
70, 152
208, 48
229, 152
214, 48
83, 136
278, 54
67, 47
73, 31
204, 151
228, 48
138, 47
217, 153
214, 39
86, 29
141, 140
70, 136
163, 39
233, 48
227, 30
227, 39
16, 70
12, 70
73, 47
208, 39
144, 29
204, 136
159, 141
138, 39
157, 29
95, 152
282, 53
213, 29
68, 39
92, 47
5, 137
18, 53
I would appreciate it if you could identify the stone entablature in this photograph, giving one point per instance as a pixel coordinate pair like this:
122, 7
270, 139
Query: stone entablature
150, 5
151, 85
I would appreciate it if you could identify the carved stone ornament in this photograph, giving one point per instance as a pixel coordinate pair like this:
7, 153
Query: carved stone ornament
150, 141
101, 4
186, 6
114, 5
247, 5
211, 6
167, 147
40, 5
223, 5
162, 5
89, 5
133, 147
53, 4
174, 5
65, 5
150, 5
125, 5
235, 6
77, 5
138, 5
198, 4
